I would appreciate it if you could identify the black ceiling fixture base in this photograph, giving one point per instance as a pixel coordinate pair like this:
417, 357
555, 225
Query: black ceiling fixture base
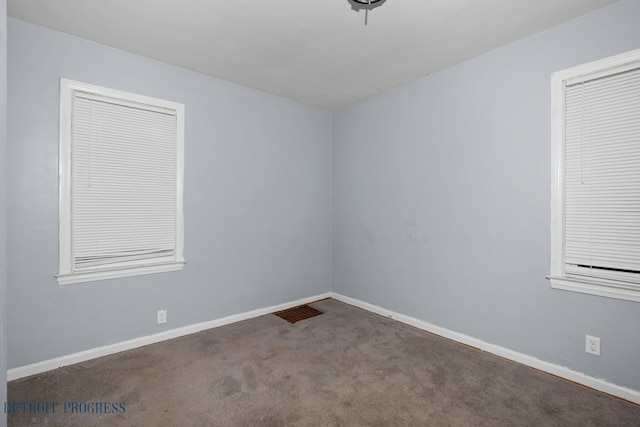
364, 4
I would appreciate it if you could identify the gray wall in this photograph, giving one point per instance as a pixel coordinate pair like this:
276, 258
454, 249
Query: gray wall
3, 204
442, 202
257, 201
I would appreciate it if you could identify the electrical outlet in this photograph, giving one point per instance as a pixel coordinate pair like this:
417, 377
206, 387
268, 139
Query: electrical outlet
593, 345
162, 316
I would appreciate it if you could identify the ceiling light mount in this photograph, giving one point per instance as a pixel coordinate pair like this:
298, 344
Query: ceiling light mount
367, 5
367, 2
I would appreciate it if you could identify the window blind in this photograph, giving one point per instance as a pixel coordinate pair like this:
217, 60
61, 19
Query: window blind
124, 183
602, 177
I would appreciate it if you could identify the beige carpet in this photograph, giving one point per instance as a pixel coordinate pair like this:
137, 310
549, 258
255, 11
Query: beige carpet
345, 367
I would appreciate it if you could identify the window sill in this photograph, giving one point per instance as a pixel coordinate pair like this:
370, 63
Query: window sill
90, 276
600, 287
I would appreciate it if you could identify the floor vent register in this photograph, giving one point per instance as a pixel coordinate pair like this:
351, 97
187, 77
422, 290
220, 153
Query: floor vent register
295, 314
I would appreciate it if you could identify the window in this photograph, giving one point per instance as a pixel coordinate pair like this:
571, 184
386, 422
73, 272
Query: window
121, 174
595, 227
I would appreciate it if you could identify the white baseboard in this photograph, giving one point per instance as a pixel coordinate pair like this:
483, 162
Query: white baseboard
58, 362
551, 368
560, 371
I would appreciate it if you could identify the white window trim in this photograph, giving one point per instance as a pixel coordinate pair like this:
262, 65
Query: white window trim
559, 278
66, 273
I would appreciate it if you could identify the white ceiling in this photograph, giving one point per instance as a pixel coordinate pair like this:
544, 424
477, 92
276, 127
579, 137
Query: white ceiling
318, 52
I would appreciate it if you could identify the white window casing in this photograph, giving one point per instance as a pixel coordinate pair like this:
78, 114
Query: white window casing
121, 184
595, 218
